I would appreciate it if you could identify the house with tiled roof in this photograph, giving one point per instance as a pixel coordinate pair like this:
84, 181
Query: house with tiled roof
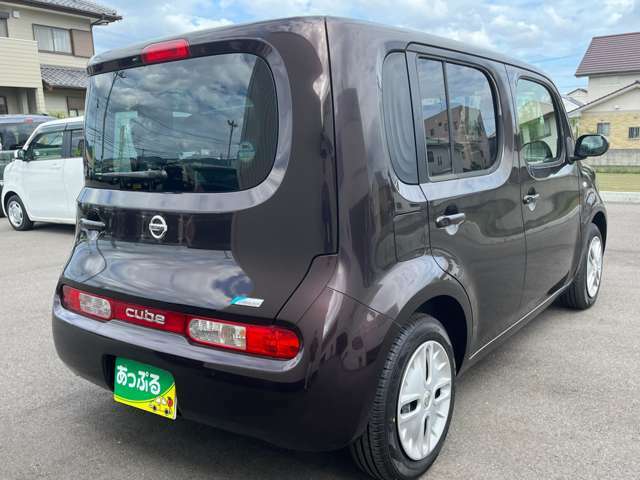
611, 103
45, 46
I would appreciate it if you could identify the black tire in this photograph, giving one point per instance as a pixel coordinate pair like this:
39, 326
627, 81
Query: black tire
26, 224
378, 451
576, 295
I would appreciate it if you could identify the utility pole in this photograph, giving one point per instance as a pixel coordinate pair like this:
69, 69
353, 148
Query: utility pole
232, 124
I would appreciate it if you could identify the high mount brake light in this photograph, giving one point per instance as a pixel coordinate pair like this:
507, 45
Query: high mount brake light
165, 51
264, 340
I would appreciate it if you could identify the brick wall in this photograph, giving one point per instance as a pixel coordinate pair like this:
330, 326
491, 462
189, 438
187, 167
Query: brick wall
619, 131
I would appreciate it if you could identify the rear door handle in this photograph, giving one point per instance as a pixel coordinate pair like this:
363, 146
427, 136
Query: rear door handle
530, 198
445, 221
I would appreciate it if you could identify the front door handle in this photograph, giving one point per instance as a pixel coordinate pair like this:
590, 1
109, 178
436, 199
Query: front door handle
445, 221
530, 198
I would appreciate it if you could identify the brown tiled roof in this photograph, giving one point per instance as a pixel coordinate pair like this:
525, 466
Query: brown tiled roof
85, 7
611, 54
64, 77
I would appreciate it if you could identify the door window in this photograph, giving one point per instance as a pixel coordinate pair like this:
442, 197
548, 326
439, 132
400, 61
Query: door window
77, 143
538, 124
459, 112
435, 117
46, 146
3, 106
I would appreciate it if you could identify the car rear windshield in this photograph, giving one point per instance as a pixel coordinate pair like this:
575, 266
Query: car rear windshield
207, 124
14, 135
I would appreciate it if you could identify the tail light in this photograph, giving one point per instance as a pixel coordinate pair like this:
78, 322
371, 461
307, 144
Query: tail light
91, 305
165, 51
267, 341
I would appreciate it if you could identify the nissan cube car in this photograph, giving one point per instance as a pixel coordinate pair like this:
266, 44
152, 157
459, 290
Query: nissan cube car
304, 230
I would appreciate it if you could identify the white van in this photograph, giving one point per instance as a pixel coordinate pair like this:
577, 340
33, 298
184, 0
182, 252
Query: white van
46, 176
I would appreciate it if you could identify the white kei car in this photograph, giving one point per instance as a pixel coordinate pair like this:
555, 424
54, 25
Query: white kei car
46, 176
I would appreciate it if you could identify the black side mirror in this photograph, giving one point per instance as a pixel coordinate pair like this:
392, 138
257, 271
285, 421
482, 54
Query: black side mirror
590, 146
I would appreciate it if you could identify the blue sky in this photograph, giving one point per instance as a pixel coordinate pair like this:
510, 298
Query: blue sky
551, 35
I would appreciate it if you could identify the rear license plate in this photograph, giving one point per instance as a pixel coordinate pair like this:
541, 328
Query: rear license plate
145, 387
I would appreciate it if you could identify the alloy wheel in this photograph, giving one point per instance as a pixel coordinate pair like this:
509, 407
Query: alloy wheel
424, 400
594, 266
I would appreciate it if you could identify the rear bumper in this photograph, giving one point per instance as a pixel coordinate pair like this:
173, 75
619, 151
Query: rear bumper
317, 401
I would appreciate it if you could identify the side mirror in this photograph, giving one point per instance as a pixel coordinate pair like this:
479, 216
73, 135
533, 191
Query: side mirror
590, 146
18, 154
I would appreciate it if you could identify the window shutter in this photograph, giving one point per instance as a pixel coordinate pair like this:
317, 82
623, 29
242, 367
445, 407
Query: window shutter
82, 43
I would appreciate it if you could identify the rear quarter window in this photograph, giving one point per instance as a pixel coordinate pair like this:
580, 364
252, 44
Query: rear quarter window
398, 118
207, 124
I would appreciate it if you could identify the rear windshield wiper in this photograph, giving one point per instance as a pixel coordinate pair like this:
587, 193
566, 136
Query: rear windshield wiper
141, 174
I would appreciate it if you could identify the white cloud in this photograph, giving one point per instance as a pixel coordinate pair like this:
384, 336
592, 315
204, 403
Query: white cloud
554, 34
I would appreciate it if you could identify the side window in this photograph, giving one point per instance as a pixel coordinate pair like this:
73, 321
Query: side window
459, 118
47, 146
433, 100
538, 123
473, 117
77, 143
398, 117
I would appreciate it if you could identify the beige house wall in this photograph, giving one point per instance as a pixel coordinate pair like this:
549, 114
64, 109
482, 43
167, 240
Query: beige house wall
22, 28
602, 85
619, 131
57, 101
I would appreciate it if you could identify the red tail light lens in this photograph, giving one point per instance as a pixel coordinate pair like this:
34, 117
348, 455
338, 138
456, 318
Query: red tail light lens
267, 341
85, 303
166, 51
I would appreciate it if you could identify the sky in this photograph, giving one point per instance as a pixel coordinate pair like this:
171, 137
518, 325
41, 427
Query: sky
552, 35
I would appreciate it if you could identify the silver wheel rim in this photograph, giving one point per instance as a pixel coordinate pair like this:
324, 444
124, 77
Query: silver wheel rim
15, 213
424, 400
594, 266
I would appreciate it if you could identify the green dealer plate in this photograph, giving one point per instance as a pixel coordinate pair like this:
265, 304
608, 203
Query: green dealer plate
145, 387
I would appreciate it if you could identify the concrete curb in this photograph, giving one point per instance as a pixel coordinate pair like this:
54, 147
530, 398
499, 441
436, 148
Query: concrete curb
621, 197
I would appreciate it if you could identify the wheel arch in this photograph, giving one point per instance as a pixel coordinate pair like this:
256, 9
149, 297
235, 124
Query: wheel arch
448, 311
446, 301
600, 221
6, 195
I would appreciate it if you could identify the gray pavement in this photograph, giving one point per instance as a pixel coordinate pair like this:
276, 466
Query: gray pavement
560, 400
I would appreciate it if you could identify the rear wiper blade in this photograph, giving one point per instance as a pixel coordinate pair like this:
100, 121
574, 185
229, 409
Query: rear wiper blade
140, 174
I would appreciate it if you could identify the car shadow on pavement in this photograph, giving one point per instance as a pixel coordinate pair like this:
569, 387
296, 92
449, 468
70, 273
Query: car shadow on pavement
54, 228
175, 448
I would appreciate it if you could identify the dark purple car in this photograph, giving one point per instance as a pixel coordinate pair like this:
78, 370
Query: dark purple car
303, 230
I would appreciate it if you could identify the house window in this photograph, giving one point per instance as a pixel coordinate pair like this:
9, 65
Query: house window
50, 39
3, 106
603, 128
634, 132
4, 31
75, 106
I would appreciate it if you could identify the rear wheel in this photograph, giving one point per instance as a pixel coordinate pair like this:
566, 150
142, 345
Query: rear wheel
17, 214
413, 406
584, 290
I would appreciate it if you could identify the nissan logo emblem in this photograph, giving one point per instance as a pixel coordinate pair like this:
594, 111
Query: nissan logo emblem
158, 227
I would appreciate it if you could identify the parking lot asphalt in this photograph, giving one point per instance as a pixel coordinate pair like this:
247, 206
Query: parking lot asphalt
559, 400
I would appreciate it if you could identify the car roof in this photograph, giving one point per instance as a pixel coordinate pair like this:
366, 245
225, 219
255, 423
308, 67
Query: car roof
408, 36
62, 121
23, 117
